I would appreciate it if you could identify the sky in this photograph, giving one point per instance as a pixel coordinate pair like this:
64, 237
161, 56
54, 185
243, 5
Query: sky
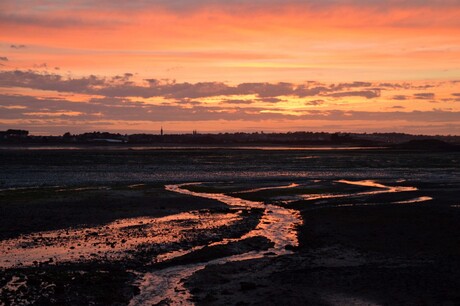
227, 66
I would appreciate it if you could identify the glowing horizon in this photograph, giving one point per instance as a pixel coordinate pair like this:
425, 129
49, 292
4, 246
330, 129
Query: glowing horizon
217, 66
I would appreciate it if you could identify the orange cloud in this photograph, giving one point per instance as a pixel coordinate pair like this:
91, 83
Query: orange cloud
243, 54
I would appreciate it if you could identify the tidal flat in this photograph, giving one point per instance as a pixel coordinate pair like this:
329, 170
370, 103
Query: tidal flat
229, 227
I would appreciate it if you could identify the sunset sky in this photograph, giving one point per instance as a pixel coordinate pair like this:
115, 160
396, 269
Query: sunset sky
234, 65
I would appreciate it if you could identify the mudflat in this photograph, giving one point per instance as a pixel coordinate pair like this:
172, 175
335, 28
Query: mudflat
313, 230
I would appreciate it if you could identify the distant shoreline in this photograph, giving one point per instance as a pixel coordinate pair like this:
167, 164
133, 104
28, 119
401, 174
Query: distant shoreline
179, 146
413, 145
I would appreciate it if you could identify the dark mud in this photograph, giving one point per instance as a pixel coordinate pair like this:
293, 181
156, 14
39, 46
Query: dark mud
31, 210
358, 244
109, 280
95, 265
384, 254
209, 253
68, 284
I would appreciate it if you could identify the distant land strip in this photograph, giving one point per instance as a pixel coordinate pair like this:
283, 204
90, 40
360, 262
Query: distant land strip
398, 140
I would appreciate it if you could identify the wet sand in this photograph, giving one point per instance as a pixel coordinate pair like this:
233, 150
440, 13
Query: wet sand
29, 210
314, 241
77, 265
